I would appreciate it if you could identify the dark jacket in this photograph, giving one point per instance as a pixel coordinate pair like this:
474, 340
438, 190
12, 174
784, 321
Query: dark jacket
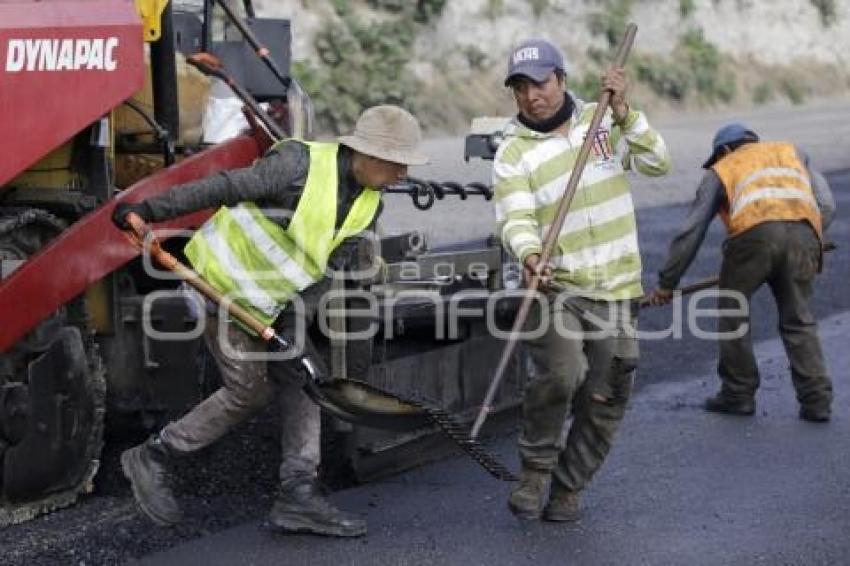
710, 199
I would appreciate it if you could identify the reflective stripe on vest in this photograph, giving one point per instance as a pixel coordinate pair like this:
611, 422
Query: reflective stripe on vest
253, 260
765, 182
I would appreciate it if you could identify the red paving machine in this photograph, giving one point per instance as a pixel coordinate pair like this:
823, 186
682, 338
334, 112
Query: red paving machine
98, 104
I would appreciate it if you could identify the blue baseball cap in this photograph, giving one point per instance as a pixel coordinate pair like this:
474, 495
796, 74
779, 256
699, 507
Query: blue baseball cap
728, 134
535, 59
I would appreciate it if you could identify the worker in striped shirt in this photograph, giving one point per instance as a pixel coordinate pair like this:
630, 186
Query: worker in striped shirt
585, 350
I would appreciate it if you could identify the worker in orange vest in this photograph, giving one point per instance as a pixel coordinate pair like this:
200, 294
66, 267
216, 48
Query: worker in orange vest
775, 207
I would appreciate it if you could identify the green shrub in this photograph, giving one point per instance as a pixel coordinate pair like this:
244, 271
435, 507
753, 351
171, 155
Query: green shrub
427, 10
667, 79
611, 20
695, 66
827, 11
586, 87
387, 5
704, 60
494, 8
539, 7
726, 88
599, 57
763, 93
476, 58
424, 10
791, 89
686, 8
364, 63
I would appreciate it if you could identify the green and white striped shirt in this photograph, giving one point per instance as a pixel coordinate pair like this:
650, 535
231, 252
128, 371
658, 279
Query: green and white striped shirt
597, 254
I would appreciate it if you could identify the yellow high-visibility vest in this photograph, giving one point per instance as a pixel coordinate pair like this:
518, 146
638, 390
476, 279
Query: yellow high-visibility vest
260, 265
766, 181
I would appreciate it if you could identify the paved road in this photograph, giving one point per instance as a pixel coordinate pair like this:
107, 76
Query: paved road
664, 473
682, 485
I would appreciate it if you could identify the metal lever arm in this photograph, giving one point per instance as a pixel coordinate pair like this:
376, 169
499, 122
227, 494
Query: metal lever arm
210, 65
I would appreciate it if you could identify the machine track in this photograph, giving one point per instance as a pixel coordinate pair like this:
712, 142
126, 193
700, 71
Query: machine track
52, 394
13, 513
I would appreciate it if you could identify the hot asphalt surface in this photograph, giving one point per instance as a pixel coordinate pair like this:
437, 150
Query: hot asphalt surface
681, 486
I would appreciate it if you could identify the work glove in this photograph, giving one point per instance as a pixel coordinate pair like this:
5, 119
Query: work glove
122, 209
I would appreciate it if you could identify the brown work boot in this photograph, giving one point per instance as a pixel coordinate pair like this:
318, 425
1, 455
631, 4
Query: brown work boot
301, 508
146, 466
563, 504
526, 501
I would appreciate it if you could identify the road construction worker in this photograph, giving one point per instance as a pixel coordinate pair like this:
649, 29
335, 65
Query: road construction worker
585, 359
775, 207
330, 191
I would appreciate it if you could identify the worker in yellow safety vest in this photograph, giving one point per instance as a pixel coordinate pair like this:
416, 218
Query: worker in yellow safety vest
775, 207
279, 225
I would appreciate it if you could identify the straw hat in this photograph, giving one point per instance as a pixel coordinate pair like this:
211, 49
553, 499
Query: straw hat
389, 133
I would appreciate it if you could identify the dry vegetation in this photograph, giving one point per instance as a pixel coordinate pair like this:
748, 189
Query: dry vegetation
365, 53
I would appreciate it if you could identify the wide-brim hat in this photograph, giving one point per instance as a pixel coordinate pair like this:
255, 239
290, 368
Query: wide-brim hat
389, 133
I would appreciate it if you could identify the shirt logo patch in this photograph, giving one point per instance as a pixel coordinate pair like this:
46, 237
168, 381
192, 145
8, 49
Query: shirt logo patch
602, 145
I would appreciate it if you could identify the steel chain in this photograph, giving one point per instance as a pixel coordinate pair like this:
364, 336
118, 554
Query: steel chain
457, 432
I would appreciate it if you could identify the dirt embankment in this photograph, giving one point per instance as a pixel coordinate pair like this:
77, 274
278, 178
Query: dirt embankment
445, 58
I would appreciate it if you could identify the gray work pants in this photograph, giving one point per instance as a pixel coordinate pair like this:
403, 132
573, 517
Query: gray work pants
785, 255
584, 364
246, 389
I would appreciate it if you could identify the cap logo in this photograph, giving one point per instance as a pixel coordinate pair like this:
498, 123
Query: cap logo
526, 54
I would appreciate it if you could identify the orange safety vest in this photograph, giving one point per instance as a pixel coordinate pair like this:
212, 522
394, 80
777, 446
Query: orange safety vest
766, 181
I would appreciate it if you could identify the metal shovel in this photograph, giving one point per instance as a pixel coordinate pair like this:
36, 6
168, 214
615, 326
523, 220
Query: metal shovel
348, 399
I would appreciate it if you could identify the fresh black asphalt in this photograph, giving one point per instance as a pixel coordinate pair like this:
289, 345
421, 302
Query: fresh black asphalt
682, 486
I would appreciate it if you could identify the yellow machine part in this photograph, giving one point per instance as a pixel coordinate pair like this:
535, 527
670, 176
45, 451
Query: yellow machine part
193, 91
53, 171
151, 13
98, 303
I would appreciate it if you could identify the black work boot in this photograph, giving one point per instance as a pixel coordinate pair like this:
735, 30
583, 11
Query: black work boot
146, 466
563, 504
301, 508
721, 403
815, 414
526, 501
